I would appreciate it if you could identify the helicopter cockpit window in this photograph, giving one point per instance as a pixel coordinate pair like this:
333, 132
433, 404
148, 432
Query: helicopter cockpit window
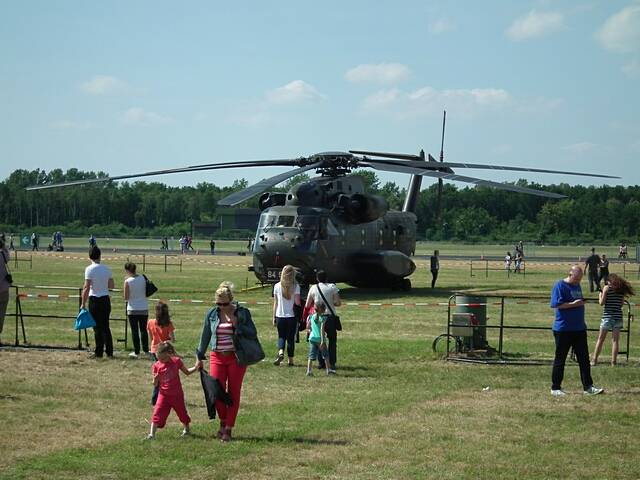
286, 221
268, 221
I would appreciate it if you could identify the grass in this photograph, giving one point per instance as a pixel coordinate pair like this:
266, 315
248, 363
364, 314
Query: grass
394, 411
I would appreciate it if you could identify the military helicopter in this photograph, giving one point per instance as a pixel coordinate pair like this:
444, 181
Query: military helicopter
331, 223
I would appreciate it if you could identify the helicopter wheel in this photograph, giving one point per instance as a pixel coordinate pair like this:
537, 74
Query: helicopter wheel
405, 284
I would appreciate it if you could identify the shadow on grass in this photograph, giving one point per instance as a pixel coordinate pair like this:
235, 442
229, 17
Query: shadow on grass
354, 293
299, 440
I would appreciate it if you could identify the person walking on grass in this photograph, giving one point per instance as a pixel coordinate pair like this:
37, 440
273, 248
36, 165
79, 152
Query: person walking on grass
570, 331
612, 298
160, 330
98, 280
328, 294
228, 331
592, 264
317, 335
166, 377
286, 294
137, 308
435, 267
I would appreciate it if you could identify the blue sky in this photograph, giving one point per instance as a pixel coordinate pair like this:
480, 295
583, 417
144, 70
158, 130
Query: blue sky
127, 86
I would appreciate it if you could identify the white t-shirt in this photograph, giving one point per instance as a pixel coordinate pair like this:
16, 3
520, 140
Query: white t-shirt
285, 307
99, 275
330, 292
137, 294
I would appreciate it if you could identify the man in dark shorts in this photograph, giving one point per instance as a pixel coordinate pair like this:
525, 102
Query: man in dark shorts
591, 265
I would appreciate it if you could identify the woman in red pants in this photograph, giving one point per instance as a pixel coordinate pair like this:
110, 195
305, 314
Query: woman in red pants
222, 325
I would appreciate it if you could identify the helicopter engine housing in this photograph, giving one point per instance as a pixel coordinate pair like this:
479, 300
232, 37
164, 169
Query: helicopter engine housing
362, 208
271, 199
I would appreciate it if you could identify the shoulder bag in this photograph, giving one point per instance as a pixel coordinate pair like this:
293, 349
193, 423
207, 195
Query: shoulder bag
84, 320
149, 287
334, 320
248, 348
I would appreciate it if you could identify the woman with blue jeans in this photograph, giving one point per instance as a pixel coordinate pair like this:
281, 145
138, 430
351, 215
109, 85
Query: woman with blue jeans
286, 294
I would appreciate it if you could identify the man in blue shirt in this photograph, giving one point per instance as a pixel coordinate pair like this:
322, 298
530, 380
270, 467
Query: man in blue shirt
570, 331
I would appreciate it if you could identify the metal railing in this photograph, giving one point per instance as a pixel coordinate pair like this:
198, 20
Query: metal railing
502, 324
166, 263
483, 265
19, 314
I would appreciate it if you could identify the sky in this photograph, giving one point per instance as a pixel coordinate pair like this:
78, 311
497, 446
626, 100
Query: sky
132, 86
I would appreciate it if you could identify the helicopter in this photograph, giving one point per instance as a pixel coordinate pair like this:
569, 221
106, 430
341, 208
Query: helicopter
331, 223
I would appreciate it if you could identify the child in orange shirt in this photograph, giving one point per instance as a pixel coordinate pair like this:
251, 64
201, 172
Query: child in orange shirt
160, 330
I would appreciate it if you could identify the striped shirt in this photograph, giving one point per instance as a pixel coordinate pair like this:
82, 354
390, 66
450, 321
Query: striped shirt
224, 337
613, 306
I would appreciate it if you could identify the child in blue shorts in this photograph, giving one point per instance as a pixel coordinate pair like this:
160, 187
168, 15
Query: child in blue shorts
317, 337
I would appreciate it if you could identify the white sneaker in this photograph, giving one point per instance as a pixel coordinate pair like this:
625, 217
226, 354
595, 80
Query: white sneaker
558, 393
133, 355
185, 433
149, 437
593, 390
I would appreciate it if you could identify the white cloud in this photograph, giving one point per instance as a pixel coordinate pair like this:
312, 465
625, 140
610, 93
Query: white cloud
534, 25
580, 147
382, 73
103, 85
442, 25
141, 117
296, 91
632, 69
428, 100
71, 125
621, 31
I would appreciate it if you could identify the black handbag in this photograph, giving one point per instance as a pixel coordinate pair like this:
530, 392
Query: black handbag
8, 277
149, 287
333, 322
248, 350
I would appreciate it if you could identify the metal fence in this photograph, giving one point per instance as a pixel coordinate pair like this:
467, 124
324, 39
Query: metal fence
454, 343
43, 292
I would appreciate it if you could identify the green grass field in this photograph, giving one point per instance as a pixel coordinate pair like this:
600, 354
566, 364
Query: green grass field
395, 410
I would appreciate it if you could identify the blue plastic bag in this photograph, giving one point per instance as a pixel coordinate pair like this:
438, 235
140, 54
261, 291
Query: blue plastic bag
84, 320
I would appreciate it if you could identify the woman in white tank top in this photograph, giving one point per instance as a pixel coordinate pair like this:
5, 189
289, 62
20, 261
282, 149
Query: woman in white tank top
135, 294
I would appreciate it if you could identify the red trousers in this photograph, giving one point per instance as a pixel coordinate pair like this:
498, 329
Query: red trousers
163, 407
226, 370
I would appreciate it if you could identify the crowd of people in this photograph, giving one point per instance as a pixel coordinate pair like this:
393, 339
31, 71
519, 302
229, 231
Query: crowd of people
224, 325
517, 259
597, 268
230, 336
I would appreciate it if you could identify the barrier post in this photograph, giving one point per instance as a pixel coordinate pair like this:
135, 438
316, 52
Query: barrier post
181, 267
500, 333
486, 268
165, 263
144, 262
16, 343
471, 267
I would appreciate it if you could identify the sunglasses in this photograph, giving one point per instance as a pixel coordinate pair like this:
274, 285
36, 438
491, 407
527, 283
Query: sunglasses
225, 304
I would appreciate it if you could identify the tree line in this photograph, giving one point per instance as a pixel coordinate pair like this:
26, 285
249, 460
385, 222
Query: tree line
601, 213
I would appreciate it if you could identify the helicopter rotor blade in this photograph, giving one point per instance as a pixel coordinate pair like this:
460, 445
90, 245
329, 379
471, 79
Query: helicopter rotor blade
253, 190
193, 168
460, 178
434, 165
399, 156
